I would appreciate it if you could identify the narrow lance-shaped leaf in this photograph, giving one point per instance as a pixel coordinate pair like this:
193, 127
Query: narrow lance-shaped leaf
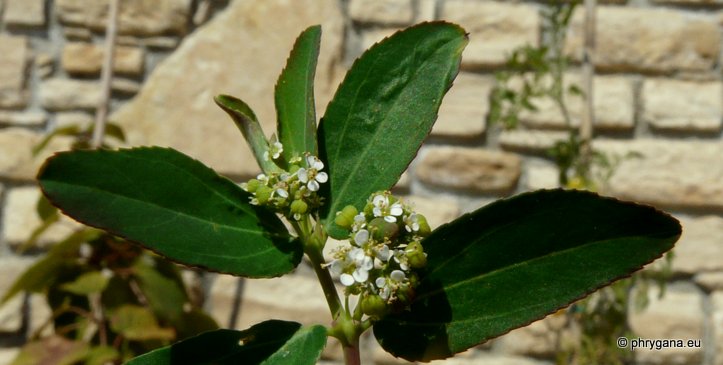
173, 205
250, 127
294, 96
383, 111
515, 261
271, 342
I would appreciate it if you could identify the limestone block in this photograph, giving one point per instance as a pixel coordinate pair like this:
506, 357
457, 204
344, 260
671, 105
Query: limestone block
10, 312
30, 119
372, 36
613, 105
79, 119
26, 13
682, 105
670, 173
427, 11
637, 39
701, 246
678, 315
717, 303
125, 86
464, 108
78, 34
16, 160
710, 280
542, 338
381, 11
8, 354
20, 219
294, 298
65, 94
530, 140
469, 169
495, 28
13, 64
175, 108
437, 211
542, 177
137, 17
87, 59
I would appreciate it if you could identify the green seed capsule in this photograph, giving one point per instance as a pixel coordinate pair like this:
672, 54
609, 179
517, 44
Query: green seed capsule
415, 255
345, 218
263, 194
382, 229
252, 185
299, 207
373, 305
424, 229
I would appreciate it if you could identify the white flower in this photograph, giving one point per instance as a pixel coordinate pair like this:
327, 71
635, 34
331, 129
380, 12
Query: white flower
353, 267
361, 237
383, 209
383, 253
312, 176
401, 258
275, 149
411, 222
360, 221
387, 285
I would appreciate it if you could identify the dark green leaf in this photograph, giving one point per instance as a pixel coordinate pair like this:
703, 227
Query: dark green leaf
165, 295
271, 342
294, 95
173, 205
382, 112
138, 324
517, 260
250, 127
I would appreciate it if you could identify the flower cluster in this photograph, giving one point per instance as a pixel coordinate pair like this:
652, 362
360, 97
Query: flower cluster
384, 250
293, 192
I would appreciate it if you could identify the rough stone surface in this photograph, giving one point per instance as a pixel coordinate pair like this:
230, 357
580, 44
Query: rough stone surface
470, 169
16, 160
137, 17
530, 140
381, 11
87, 59
495, 29
464, 108
78, 34
372, 36
182, 114
613, 105
13, 64
670, 173
27, 13
710, 280
701, 246
66, 119
8, 354
437, 211
271, 298
10, 312
20, 218
65, 94
682, 105
717, 307
30, 119
542, 177
648, 40
125, 86
678, 315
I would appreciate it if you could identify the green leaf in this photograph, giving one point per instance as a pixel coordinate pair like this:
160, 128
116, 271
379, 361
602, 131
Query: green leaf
271, 342
517, 260
44, 272
86, 284
173, 205
165, 295
250, 127
138, 324
383, 111
294, 96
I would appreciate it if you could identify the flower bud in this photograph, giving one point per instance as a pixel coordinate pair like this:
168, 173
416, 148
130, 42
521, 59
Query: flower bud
382, 229
373, 305
263, 194
415, 255
345, 218
299, 207
252, 185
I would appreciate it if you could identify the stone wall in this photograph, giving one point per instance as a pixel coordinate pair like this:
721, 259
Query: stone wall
658, 92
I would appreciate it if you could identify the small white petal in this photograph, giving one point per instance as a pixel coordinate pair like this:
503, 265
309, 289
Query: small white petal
361, 237
303, 175
380, 282
397, 275
390, 219
282, 193
367, 263
356, 254
359, 218
383, 253
313, 185
266, 155
336, 267
385, 293
346, 279
396, 210
360, 275
379, 200
377, 212
322, 177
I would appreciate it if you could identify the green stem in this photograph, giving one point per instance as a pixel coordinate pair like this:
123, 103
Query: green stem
327, 284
